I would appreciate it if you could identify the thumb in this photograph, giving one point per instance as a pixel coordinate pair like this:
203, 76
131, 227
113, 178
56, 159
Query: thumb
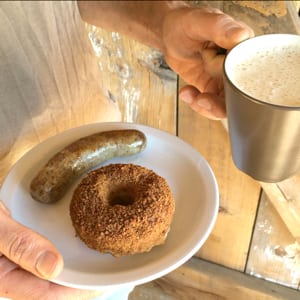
215, 26
28, 249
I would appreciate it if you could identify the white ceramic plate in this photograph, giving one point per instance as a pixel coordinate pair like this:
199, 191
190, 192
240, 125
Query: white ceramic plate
189, 176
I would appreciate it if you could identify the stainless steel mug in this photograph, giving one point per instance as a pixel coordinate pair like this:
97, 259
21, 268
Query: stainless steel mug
264, 133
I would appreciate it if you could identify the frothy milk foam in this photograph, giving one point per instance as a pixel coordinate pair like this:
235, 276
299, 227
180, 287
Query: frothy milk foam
270, 75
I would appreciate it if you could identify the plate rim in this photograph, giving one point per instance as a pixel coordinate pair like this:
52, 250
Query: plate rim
93, 127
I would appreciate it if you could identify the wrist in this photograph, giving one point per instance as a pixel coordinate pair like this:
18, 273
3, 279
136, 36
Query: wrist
140, 20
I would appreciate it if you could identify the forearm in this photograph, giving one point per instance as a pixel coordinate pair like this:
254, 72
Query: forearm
141, 20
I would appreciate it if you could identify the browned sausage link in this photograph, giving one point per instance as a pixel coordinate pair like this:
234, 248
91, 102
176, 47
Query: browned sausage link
53, 180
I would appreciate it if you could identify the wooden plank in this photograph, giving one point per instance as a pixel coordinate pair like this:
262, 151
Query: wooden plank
229, 242
45, 54
198, 279
273, 17
137, 79
285, 196
262, 16
127, 92
274, 253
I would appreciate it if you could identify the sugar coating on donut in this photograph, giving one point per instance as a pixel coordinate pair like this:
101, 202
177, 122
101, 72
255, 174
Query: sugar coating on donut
122, 209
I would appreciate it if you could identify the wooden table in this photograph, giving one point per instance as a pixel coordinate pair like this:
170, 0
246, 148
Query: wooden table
253, 251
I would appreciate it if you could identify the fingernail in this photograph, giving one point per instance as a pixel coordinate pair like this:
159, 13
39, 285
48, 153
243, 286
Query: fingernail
204, 103
186, 97
236, 29
233, 28
47, 264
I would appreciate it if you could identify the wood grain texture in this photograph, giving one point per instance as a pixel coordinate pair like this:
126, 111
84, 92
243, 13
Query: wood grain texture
266, 8
127, 76
49, 76
262, 23
283, 196
270, 17
230, 240
52, 82
213, 282
137, 79
274, 253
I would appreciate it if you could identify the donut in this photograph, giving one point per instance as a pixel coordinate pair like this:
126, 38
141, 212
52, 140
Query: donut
122, 209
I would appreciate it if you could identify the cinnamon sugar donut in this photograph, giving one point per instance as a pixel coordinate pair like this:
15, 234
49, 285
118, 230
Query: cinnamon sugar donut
122, 209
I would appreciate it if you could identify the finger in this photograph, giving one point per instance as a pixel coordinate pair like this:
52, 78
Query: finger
217, 109
6, 266
4, 209
208, 105
16, 283
213, 62
28, 249
216, 26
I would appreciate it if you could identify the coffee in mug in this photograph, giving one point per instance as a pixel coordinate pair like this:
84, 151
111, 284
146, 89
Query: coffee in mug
262, 93
270, 75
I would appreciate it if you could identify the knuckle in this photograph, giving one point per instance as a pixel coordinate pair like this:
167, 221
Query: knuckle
19, 245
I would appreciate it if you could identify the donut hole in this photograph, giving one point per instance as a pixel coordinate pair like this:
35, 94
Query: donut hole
121, 195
